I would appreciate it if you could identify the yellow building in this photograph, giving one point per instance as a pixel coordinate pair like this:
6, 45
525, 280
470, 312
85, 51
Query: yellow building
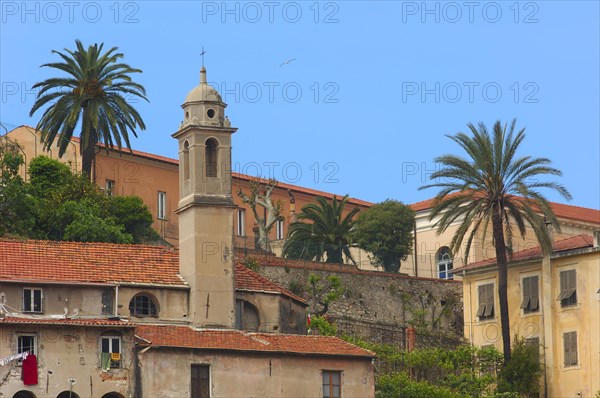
554, 303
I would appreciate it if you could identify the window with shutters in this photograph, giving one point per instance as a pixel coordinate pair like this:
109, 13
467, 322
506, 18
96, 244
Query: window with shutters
332, 384
568, 288
531, 295
200, 383
533, 342
486, 302
570, 348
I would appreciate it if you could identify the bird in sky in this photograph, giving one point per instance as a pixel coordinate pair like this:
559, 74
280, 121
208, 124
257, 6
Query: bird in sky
287, 62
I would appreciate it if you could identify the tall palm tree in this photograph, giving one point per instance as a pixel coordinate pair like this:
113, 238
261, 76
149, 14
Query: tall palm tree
326, 234
93, 94
494, 184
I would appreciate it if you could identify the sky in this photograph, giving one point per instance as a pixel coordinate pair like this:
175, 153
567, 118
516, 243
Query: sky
348, 97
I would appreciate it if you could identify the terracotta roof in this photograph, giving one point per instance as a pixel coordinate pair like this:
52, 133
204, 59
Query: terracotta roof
246, 279
50, 261
234, 340
572, 243
105, 263
561, 210
100, 322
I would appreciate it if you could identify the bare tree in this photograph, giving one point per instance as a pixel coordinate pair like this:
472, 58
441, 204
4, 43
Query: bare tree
260, 195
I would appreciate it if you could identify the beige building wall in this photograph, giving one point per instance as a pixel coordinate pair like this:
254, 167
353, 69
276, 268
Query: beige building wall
550, 322
168, 372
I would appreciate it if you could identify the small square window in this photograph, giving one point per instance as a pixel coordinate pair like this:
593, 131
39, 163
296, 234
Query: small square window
26, 343
33, 300
110, 352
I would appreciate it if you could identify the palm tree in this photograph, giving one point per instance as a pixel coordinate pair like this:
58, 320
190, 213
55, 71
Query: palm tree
328, 232
494, 184
93, 94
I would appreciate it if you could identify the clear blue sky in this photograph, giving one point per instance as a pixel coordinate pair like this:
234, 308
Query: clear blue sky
373, 88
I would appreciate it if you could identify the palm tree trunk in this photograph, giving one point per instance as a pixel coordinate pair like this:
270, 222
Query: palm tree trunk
500, 244
88, 144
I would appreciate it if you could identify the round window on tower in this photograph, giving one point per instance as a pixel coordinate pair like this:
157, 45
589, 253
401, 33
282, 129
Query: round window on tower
210, 113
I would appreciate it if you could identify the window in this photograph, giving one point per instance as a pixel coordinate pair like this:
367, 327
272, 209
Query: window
568, 288
109, 187
570, 347
241, 223
246, 316
211, 157
534, 342
142, 305
444, 263
110, 352
33, 300
26, 343
486, 302
186, 160
332, 384
279, 225
162, 205
531, 302
200, 385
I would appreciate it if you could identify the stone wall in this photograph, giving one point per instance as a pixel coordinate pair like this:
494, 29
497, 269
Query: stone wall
375, 305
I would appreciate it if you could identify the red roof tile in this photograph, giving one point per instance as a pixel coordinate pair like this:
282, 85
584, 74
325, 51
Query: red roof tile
246, 279
105, 263
186, 337
50, 261
572, 243
100, 322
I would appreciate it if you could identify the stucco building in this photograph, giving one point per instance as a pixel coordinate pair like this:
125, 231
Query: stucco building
105, 320
554, 303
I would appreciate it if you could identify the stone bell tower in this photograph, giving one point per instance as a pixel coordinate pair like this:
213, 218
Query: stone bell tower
206, 209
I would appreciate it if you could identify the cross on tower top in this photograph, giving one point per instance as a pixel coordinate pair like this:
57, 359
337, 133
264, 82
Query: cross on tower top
202, 54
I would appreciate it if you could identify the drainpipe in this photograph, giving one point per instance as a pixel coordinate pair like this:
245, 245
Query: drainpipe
415, 243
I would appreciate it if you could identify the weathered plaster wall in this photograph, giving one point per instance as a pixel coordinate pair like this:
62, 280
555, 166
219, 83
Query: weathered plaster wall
63, 353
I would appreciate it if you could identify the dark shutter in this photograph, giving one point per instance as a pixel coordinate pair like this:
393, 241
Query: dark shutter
489, 307
535, 293
526, 294
568, 288
570, 346
200, 383
481, 309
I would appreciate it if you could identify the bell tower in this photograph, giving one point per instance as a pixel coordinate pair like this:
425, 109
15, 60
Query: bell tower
206, 208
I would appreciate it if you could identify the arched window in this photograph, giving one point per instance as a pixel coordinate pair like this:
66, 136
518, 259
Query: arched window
143, 305
444, 263
246, 316
186, 161
24, 394
210, 157
112, 395
67, 394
